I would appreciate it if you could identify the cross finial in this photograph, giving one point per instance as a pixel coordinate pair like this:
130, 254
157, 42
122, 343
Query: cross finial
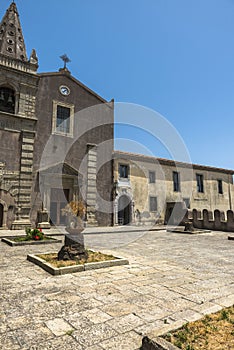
65, 60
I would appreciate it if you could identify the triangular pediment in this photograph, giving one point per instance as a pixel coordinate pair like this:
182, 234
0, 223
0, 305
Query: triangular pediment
68, 77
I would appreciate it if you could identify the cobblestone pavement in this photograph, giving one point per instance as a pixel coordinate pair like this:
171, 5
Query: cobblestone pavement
172, 278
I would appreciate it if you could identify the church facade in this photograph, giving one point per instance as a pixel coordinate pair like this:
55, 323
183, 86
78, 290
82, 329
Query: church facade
54, 132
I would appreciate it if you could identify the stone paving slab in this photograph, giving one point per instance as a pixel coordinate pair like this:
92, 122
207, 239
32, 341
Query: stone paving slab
171, 279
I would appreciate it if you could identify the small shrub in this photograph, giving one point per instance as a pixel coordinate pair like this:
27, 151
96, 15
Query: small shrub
34, 234
224, 315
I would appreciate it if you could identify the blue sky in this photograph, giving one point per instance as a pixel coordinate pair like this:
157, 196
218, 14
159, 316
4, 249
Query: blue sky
173, 56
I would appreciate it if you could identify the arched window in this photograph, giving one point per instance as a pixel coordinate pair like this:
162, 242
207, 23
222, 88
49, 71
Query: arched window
7, 100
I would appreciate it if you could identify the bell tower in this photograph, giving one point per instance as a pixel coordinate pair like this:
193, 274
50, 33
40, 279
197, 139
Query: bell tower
18, 122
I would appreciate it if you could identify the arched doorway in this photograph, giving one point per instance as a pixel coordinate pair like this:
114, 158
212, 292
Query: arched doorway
1, 214
124, 210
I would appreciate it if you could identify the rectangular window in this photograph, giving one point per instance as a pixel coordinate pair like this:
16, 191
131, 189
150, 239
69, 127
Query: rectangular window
220, 186
63, 119
151, 177
176, 181
200, 185
153, 203
123, 171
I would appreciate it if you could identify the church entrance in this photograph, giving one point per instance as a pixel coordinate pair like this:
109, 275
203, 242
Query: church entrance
1, 215
58, 200
124, 210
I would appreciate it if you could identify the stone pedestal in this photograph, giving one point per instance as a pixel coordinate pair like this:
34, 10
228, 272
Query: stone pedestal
43, 219
91, 217
20, 224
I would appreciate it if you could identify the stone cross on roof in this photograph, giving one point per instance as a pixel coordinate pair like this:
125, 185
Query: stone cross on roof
65, 60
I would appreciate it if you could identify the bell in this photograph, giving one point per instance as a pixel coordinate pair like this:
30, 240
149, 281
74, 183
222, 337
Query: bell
10, 99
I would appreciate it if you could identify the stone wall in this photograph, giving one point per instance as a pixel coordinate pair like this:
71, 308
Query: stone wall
216, 220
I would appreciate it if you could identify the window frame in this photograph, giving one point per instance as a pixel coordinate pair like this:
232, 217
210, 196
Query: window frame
176, 181
128, 170
220, 186
200, 183
71, 118
152, 181
153, 210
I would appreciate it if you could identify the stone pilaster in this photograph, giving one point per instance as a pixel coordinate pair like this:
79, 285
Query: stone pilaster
91, 185
25, 181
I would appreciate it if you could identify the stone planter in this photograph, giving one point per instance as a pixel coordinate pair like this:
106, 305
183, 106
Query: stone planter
193, 232
56, 271
10, 241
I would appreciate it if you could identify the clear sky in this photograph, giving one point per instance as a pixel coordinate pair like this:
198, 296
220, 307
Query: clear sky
173, 56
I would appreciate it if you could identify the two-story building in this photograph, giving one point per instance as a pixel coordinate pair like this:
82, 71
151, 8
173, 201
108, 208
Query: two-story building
150, 189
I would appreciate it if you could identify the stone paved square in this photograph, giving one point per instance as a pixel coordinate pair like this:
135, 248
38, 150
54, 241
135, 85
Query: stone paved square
182, 278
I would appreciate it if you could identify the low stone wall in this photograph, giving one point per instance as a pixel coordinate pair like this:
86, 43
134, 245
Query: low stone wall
157, 344
215, 221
